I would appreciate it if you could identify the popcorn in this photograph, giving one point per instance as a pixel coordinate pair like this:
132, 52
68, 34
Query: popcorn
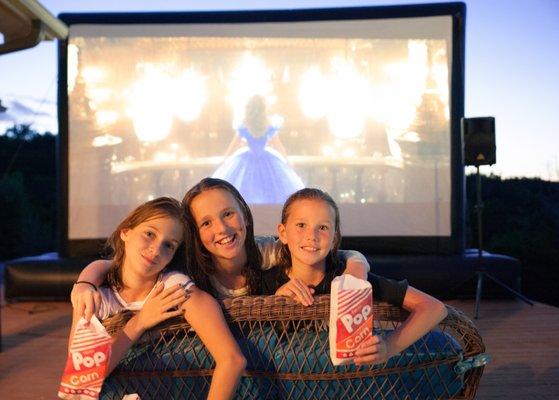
351, 317
88, 359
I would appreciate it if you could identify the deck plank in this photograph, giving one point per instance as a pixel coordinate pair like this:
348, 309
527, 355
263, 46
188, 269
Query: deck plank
524, 345
522, 341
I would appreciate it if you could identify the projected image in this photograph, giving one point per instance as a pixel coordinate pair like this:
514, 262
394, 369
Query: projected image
366, 119
259, 168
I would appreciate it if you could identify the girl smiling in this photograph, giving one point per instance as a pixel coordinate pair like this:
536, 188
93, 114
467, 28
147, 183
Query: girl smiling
310, 234
143, 244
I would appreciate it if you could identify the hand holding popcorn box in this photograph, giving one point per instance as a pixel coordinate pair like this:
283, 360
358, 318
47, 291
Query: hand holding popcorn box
351, 317
88, 359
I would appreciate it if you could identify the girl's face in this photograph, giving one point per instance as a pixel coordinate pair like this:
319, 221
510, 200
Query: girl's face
308, 232
151, 245
221, 225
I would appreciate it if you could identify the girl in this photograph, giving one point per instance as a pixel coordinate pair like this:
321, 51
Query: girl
142, 247
310, 233
222, 255
256, 158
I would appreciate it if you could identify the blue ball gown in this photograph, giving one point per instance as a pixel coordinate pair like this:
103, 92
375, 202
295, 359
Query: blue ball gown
260, 173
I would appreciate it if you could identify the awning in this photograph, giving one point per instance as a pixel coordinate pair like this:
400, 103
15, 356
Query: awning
25, 23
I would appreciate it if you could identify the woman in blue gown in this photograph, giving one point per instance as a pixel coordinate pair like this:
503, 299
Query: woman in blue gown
255, 161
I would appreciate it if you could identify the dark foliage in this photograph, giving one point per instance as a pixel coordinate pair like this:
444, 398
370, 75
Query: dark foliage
27, 192
520, 219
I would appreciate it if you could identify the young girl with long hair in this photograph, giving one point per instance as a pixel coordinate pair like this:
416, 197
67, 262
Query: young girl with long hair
143, 245
310, 234
222, 255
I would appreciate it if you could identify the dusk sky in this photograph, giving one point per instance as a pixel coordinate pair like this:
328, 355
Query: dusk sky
512, 70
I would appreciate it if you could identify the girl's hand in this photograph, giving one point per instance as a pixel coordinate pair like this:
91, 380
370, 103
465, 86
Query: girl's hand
298, 291
85, 300
373, 350
161, 305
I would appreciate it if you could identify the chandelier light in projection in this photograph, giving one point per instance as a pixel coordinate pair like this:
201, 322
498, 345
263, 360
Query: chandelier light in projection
96, 89
147, 105
73, 66
158, 96
342, 96
99, 95
313, 93
349, 100
189, 95
400, 93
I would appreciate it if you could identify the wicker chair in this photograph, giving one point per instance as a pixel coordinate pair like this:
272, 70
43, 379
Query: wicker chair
286, 346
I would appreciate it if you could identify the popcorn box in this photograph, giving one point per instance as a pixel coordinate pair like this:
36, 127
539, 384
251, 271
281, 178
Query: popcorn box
88, 359
351, 316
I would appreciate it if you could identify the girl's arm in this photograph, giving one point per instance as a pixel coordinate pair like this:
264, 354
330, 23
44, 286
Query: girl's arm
85, 299
298, 291
204, 314
425, 314
356, 263
160, 306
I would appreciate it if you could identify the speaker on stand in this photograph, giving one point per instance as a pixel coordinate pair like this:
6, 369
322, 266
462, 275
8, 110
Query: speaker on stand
478, 136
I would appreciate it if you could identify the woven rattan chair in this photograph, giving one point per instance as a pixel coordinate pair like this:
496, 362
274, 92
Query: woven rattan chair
286, 346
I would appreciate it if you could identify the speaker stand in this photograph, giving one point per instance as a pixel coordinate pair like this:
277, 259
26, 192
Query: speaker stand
480, 270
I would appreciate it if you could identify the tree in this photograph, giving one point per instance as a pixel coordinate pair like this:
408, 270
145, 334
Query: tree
27, 192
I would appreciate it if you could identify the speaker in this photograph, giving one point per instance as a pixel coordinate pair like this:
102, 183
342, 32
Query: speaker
479, 141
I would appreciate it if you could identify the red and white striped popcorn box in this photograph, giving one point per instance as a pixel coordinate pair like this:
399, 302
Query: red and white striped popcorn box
87, 363
351, 316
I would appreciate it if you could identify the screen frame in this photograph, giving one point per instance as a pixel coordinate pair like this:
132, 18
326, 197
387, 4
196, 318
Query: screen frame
453, 244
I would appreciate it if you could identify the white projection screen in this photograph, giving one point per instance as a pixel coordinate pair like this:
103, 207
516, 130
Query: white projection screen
363, 103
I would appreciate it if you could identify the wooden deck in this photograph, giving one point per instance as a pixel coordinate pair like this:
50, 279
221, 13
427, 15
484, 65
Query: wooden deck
521, 340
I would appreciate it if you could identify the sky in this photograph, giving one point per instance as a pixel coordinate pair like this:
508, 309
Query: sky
512, 70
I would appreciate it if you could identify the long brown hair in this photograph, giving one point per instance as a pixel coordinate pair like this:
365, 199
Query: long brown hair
284, 258
199, 262
157, 208
255, 119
